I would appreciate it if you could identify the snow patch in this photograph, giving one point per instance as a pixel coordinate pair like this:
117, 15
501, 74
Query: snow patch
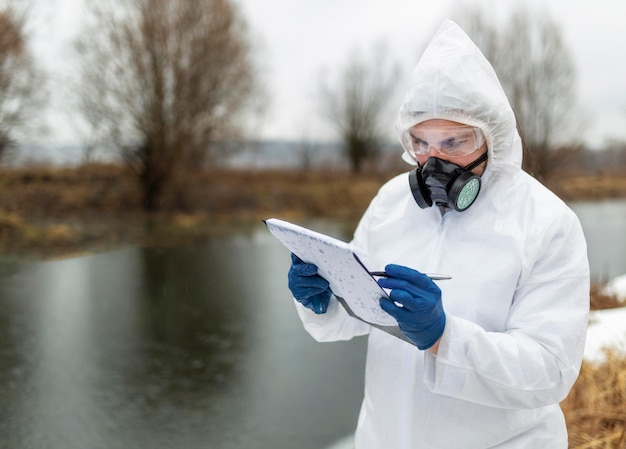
607, 329
616, 287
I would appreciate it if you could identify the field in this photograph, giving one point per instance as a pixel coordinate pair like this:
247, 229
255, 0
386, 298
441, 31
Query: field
51, 212
54, 212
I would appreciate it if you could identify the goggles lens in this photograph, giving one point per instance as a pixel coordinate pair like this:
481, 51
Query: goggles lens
452, 141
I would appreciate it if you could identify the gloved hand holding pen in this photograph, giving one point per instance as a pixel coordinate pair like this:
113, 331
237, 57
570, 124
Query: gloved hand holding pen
307, 286
415, 304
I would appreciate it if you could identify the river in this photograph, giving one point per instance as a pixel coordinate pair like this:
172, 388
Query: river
188, 347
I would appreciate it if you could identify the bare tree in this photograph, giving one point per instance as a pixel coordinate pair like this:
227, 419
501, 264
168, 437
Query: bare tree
163, 81
356, 103
22, 91
537, 72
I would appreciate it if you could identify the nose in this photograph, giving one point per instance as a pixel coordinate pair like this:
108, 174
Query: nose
432, 151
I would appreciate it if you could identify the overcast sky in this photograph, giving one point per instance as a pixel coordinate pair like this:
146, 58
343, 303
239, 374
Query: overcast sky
297, 39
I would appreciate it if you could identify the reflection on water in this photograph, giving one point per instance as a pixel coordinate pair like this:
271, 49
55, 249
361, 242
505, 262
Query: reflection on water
187, 347
194, 347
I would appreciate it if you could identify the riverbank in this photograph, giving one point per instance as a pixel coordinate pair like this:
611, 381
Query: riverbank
55, 212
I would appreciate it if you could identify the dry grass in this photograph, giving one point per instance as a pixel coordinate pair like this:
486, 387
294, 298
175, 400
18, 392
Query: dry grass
590, 187
54, 211
230, 194
595, 409
100, 189
600, 301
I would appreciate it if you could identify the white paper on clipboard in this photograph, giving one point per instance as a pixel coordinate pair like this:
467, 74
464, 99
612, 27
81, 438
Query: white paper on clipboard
339, 264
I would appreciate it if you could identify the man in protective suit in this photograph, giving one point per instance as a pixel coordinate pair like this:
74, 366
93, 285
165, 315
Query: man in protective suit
492, 351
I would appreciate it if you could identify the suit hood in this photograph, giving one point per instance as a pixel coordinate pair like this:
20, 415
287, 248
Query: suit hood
454, 81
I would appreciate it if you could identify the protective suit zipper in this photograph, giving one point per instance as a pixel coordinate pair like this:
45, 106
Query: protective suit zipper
433, 260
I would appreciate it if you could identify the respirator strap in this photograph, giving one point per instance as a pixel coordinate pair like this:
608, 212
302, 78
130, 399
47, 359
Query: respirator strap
477, 162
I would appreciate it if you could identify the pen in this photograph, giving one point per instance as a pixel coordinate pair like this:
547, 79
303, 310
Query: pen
433, 276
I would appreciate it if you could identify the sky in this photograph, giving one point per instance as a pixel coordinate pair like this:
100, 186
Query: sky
297, 40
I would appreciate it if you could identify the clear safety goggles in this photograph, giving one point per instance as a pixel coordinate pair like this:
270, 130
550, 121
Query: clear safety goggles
452, 141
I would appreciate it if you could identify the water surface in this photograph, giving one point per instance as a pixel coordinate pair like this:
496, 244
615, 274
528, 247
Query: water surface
195, 347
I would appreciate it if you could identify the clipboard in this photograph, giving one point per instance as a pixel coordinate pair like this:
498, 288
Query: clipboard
337, 262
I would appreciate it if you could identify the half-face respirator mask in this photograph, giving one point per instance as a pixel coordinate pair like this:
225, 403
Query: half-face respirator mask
445, 184
439, 181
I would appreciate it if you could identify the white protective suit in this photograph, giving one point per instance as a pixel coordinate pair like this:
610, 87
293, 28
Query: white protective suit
516, 306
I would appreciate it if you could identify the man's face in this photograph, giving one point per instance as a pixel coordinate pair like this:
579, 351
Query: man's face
449, 141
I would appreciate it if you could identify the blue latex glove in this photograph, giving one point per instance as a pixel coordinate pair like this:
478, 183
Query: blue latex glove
421, 316
309, 288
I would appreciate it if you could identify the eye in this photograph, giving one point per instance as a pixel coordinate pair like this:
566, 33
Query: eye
452, 143
419, 143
